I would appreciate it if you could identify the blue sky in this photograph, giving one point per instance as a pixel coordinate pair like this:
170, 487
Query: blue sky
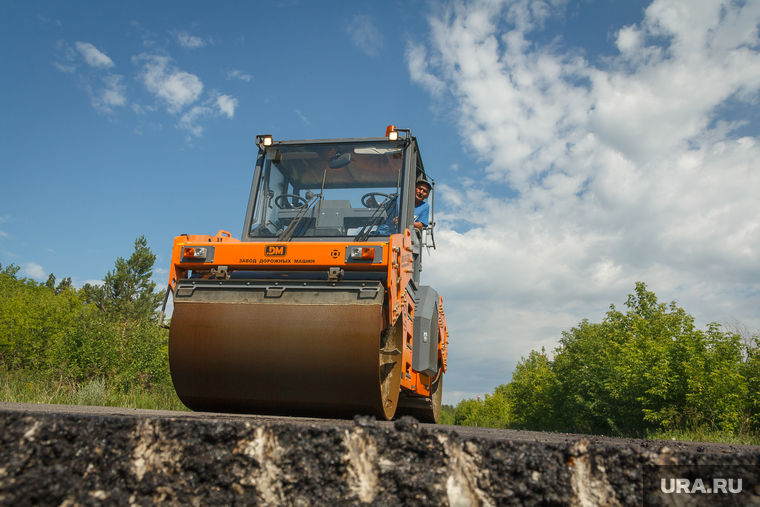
578, 146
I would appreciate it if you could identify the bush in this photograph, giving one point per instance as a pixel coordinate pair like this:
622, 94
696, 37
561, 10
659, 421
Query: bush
643, 372
92, 338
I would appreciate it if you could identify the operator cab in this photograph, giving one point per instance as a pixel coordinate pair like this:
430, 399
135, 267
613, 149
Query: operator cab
334, 190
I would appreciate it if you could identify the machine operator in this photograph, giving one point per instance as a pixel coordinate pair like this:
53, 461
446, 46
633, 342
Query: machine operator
421, 207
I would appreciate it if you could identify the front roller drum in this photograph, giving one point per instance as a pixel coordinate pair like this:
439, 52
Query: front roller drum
294, 351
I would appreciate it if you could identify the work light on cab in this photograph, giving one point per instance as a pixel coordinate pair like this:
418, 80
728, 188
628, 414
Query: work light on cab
264, 141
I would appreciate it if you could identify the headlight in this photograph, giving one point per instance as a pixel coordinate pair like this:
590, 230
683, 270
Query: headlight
194, 252
363, 253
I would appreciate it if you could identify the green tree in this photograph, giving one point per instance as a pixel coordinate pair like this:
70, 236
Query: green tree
649, 369
532, 393
491, 412
127, 293
447, 415
64, 284
751, 372
466, 411
34, 321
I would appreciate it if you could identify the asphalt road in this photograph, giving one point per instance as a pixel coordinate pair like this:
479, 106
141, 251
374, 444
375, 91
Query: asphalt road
465, 432
62, 455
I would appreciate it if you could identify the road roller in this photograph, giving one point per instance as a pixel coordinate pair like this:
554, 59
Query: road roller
318, 309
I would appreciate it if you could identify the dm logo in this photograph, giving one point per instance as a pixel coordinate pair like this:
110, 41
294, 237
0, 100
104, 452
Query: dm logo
275, 250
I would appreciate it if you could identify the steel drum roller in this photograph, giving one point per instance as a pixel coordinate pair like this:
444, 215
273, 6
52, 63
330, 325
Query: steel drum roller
312, 351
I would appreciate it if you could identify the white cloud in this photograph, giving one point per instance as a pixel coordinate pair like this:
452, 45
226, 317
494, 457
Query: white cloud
176, 88
623, 170
237, 74
416, 59
186, 40
111, 95
93, 56
4, 234
105, 89
217, 105
226, 105
304, 119
189, 120
33, 270
364, 35
64, 68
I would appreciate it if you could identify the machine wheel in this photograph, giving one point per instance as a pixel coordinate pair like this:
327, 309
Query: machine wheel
422, 408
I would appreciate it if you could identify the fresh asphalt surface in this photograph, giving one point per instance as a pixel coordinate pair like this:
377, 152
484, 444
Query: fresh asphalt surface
466, 432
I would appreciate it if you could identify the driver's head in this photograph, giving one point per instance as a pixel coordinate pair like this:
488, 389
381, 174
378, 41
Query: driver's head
421, 191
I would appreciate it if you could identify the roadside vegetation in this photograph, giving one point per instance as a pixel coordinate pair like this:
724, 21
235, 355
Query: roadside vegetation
98, 345
647, 372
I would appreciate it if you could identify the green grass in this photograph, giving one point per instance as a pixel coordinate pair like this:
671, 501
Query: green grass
25, 387
706, 436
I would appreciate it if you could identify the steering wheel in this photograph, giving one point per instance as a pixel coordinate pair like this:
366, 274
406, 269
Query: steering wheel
281, 201
369, 201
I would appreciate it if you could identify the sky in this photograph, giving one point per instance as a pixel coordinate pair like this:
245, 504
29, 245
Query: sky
578, 146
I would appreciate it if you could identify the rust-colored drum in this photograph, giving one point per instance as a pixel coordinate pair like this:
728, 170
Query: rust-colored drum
310, 349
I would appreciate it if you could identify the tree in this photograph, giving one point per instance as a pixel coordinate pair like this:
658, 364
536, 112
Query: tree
65, 284
532, 393
34, 321
644, 370
492, 412
650, 369
127, 291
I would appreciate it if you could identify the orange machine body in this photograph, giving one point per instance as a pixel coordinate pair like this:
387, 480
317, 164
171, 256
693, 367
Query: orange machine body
318, 309
231, 255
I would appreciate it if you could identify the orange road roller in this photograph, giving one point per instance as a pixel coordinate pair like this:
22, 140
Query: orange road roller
318, 310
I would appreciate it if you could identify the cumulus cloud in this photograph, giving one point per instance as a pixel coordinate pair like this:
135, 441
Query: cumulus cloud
188, 41
33, 270
416, 59
110, 95
176, 88
189, 120
226, 105
216, 105
93, 56
181, 93
69, 69
237, 74
106, 89
586, 178
364, 35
